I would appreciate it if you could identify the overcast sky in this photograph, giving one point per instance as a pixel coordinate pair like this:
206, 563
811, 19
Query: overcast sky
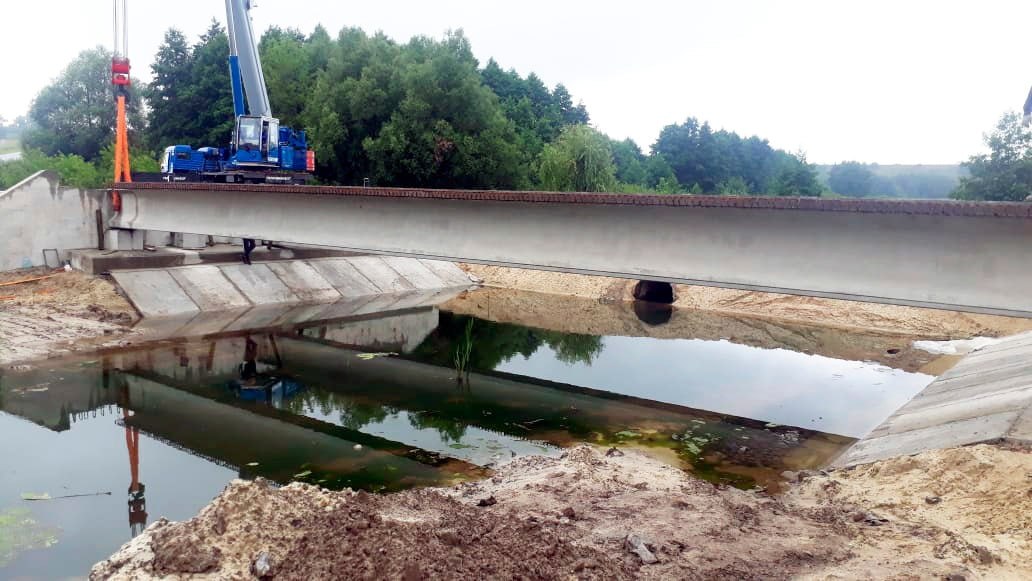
872, 80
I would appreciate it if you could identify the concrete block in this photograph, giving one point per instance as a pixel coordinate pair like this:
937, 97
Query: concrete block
190, 241
155, 293
344, 277
415, 272
157, 238
449, 272
305, 282
380, 274
209, 288
122, 239
258, 283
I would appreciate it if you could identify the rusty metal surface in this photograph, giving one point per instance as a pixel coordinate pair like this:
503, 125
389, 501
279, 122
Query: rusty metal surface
868, 206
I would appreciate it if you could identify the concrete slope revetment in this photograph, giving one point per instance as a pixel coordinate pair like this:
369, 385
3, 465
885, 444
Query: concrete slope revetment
986, 397
201, 288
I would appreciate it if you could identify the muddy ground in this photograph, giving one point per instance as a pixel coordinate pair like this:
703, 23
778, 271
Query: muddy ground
594, 514
62, 312
912, 321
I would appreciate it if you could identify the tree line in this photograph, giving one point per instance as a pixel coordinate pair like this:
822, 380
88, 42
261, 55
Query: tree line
423, 113
861, 180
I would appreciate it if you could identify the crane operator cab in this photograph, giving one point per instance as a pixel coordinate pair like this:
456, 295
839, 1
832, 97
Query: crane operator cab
256, 141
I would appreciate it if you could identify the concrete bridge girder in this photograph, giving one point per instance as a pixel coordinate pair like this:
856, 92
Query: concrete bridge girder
962, 262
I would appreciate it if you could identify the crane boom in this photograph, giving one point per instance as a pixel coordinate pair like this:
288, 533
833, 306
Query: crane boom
260, 150
243, 52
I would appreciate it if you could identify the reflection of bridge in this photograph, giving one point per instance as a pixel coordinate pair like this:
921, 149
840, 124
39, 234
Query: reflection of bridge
964, 256
177, 393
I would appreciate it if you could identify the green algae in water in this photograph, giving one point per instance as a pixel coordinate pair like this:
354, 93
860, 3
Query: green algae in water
19, 532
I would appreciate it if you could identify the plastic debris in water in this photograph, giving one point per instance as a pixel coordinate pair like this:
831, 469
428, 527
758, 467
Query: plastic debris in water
368, 356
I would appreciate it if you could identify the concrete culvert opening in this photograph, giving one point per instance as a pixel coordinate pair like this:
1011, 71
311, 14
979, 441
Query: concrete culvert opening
654, 292
653, 314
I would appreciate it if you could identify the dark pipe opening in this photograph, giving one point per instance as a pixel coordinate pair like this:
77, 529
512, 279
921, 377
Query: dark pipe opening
654, 292
653, 314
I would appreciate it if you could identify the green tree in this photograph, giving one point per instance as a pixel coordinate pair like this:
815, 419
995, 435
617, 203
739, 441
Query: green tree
1005, 173
447, 130
170, 73
289, 75
851, 178
579, 161
796, 178
733, 186
630, 163
75, 114
207, 96
659, 174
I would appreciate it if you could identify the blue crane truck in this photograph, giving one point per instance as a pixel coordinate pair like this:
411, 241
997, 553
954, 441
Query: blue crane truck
260, 149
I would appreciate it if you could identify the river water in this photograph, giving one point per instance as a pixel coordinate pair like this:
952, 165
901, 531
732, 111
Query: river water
415, 397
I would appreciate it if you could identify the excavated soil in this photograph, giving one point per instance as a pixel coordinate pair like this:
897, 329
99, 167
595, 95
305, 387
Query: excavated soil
911, 321
593, 514
45, 317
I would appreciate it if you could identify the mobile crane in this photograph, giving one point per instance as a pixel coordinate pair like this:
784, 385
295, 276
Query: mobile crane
260, 149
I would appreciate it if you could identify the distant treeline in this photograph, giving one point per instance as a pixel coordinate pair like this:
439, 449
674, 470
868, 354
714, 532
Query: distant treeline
422, 113
855, 179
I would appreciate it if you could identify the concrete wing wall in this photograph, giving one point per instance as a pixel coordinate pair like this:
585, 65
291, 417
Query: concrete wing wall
37, 214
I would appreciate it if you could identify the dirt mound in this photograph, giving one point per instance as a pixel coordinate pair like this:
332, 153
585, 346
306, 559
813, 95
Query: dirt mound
617, 514
307, 533
971, 506
69, 293
40, 318
926, 323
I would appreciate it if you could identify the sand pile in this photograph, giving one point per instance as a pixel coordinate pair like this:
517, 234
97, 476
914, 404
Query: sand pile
593, 514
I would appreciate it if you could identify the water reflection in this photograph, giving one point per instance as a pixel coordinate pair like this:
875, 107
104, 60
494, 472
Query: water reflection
413, 397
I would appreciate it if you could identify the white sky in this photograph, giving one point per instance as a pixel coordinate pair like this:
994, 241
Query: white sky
871, 80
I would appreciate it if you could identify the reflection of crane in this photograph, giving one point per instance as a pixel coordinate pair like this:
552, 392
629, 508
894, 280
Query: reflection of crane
137, 502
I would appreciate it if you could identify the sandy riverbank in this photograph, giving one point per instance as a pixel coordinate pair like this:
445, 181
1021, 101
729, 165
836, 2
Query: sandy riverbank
59, 313
911, 321
953, 512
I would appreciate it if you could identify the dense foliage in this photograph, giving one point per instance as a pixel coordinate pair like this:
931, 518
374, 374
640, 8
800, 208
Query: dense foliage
855, 179
722, 161
422, 113
1005, 173
74, 115
74, 170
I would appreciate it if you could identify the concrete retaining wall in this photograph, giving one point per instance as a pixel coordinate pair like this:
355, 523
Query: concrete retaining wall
228, 287
38, 213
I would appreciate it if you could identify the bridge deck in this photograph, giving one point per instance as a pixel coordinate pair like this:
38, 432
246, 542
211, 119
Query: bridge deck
874, 206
